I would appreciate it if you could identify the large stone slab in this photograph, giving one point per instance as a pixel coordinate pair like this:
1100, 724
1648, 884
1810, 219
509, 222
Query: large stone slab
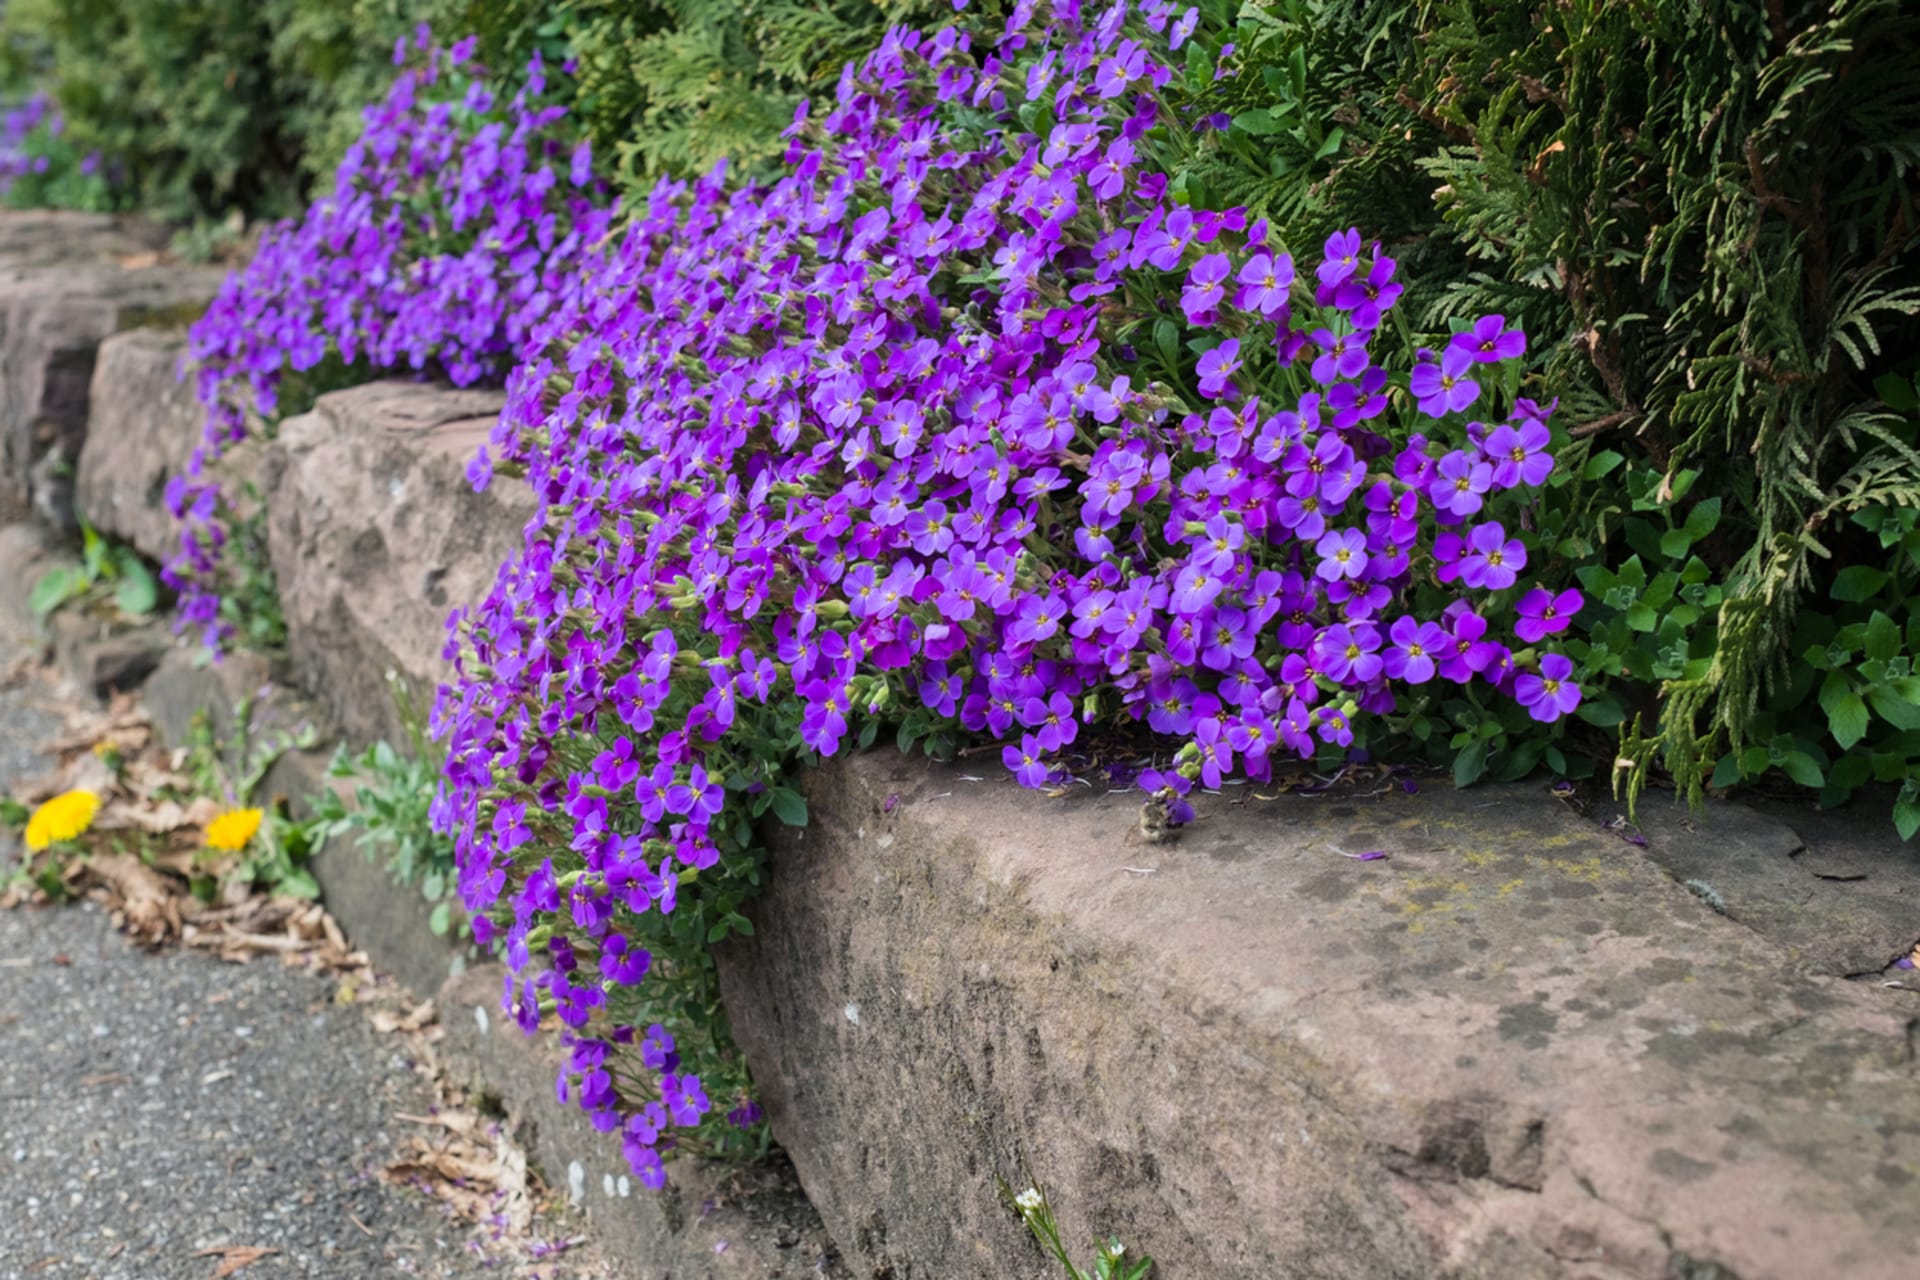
376, 535
1517, 1047
65, 286
143, 426
51, 236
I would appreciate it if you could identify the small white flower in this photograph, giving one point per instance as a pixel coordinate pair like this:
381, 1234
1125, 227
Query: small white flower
1028, 1201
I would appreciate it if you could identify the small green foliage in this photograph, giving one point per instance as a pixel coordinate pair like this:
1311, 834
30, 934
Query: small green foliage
233, 773
250, 597
391, 820
1110, 1256
106, 572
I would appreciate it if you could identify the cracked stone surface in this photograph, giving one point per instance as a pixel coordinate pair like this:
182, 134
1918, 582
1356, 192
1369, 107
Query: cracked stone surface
1519, 1047
376, 536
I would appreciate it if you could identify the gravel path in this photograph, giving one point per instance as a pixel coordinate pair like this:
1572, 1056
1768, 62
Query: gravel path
155, 1106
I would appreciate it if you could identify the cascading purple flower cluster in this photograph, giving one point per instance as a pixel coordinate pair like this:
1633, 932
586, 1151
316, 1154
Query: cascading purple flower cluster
967, 414
455, 224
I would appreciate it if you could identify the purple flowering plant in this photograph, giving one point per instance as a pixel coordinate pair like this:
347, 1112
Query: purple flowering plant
40, 167
456, 221
967, 424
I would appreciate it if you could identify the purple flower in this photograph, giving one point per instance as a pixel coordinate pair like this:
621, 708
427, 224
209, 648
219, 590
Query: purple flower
1218, 366
1518, 454
1442, 387
1542, 613
1459, 484
1552, 693
1206, 287
1492, 561
1349, 654
1488, 341
1341, 356
1415, 650
1342, 256
1026, 761
1264, 280
1343, 554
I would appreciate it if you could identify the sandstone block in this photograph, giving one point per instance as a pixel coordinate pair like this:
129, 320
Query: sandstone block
143, 426
1514, 1048
376, 535
58, 302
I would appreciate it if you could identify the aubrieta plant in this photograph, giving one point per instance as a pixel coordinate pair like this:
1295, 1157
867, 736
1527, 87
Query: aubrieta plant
966, 424
40, 167
456, 221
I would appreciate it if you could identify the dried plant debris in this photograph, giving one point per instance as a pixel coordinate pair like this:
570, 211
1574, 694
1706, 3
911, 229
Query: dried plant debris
465, 1156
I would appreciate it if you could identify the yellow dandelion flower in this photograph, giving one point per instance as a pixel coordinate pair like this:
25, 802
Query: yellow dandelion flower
231, 830
61, 818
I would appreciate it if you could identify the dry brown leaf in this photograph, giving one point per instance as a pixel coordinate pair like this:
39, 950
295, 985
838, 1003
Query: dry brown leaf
149, 901
145, 776
234, 1257
386, 1020
154, 818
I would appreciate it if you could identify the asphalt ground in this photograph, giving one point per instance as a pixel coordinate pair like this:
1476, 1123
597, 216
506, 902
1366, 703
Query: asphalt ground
154, 1107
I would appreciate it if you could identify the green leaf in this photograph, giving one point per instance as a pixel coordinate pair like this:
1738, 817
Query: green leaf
1891, 707
441, 920
1803, 769
1847, 719
1859, 582
1602, 709
1469, 765
1906, 817
55, 588
1702, 519
300, 884
789, 806
1896, 392
137, 593
1850, 772
93, 552
1601, 463
1883, 637
1166, 339
1674, 543
1258, 122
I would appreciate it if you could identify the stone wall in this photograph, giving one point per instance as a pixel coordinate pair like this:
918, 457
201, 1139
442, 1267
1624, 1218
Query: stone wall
1517, 1047
67, 282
